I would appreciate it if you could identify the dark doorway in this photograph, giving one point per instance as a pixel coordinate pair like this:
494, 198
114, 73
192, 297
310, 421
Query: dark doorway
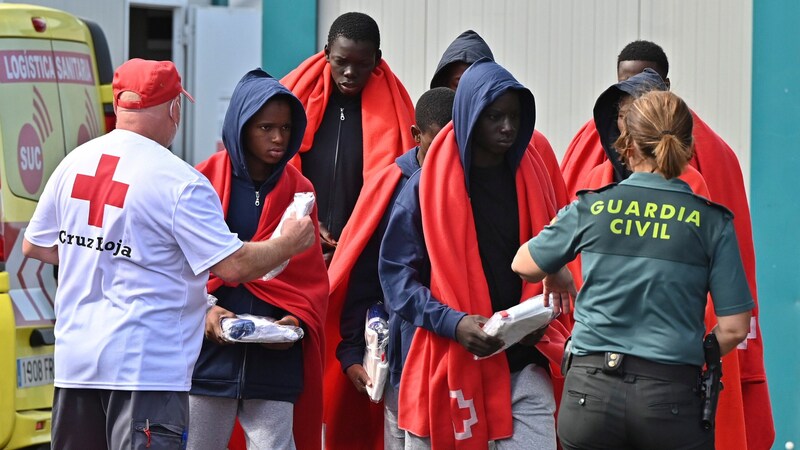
150, 33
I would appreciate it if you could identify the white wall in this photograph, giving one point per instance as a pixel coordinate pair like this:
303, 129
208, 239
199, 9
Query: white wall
112, 16
565, 51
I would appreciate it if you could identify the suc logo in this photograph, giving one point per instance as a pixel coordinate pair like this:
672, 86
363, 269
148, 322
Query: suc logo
29, 145
89, 129
33, 135
31, 162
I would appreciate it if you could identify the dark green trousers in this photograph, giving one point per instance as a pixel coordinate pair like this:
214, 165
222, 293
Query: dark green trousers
629, 411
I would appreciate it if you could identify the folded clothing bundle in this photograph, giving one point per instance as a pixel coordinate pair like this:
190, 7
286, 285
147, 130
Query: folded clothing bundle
513, 324
376, 335
257, 329
301, 206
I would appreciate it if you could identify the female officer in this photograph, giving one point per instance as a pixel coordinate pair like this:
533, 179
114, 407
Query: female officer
651, 252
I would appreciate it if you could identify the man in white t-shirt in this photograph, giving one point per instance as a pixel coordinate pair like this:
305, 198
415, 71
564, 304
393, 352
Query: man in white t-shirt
135, 232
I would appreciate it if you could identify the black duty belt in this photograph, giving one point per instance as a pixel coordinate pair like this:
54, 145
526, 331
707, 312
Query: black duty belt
614, 363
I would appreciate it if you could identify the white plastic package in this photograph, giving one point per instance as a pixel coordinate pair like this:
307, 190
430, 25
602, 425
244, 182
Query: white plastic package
258, 329
210, 300
376, 335
513, 324
301, 206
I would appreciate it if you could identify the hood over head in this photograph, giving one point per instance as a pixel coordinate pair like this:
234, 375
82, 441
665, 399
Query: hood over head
483, 83
252, 92
606, 111
468, 47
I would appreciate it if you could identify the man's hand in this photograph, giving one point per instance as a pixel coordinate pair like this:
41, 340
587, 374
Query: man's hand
469, 333
562, 288
300, 233
533, 338
358, 376
328, 244
287, 320
214, 318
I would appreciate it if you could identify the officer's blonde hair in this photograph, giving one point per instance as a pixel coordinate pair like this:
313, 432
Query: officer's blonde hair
659, 123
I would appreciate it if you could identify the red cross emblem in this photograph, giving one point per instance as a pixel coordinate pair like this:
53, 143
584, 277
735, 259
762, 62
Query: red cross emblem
464, 406
100, 190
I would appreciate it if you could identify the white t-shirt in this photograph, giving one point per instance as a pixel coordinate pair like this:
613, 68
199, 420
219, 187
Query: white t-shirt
137, 229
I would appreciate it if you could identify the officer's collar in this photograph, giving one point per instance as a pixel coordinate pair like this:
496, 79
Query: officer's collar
654, 180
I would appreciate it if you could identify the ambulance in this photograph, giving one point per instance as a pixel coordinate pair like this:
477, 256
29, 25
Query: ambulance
55, 94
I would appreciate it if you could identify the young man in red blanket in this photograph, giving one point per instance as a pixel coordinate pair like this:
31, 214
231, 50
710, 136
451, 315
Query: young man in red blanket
744, 414
467, 48
445, 268
352, 421
275, 390
359, 115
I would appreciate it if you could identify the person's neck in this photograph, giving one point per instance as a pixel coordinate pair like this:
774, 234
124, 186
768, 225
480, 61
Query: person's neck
342, 99
486, 160
151, 123
259, 175
420, 156
645, 165
152, 133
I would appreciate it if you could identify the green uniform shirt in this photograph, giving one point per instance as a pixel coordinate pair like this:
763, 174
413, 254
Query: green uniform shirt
651, 251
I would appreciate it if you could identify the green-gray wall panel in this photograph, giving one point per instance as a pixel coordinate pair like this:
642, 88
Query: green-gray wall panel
290, 33
775, 167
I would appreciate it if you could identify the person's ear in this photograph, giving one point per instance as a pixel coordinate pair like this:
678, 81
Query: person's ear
378, 56
172, 106
327, 53
417, 133
666, 81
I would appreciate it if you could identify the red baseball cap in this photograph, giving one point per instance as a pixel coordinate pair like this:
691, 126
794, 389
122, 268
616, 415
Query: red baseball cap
156, 82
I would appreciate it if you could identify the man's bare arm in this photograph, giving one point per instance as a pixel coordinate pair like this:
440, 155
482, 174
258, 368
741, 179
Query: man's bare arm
254, 259
44, 254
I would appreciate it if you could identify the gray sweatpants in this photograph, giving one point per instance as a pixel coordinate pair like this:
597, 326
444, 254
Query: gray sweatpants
393, 437
100, 419
267, 424
532, 409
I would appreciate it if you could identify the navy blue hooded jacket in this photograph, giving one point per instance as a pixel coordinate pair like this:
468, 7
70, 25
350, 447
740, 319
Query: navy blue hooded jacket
404, 265
607, 107
364, 288
251, 371
468, 47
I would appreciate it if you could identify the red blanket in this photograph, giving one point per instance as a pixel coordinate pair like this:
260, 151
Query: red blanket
301, 289
386, 110
342, 401
584, 153
445, 394
719, 167
545, 151
603, 175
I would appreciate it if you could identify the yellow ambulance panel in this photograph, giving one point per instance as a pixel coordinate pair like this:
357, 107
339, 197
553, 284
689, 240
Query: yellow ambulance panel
51, 65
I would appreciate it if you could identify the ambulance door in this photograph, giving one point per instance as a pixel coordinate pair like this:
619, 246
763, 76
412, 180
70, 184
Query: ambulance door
32, 140
81, 108
30, 114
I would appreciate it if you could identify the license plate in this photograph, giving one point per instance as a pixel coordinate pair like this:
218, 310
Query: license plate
35, 371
